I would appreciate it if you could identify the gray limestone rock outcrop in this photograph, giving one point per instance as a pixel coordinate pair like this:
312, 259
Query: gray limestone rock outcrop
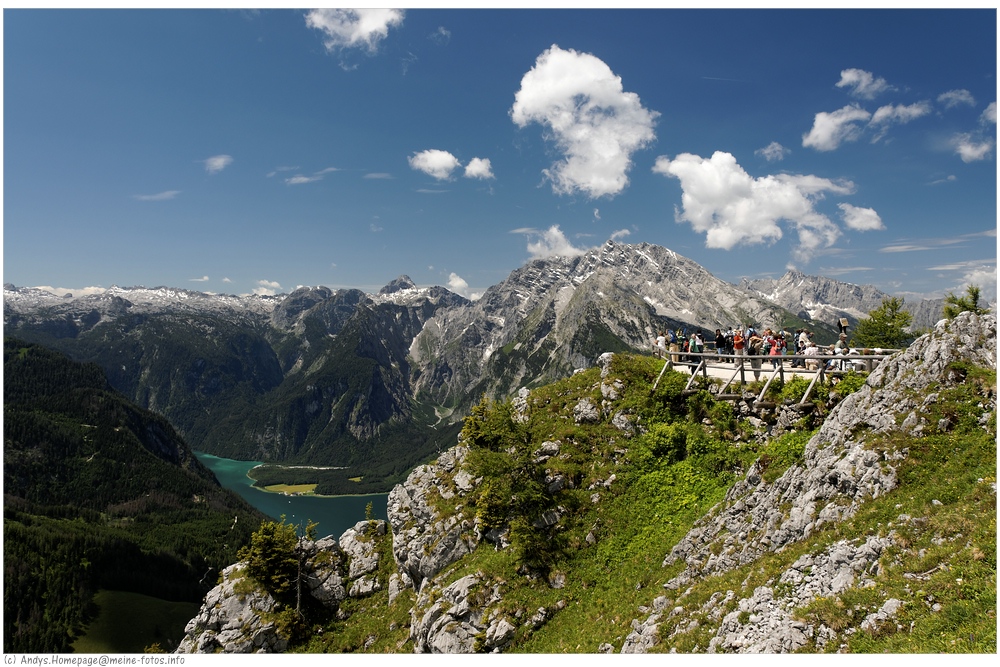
424, 541
456, 619
763, 622
236, 614
233, 622
358, 545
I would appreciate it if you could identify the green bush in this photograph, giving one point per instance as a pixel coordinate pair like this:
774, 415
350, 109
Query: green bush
491, 425
850, 383
714, 455
794, 389
271, 557
699, 406
783, 452
663, 443
723, 417
493, 504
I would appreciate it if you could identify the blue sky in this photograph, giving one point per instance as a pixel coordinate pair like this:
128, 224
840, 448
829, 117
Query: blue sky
241, 151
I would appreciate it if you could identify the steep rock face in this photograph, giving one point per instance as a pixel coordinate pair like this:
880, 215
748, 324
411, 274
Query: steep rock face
838, 474
399, 284
554, 315
454, 620
424, 542
826, 300
818, 298
238, 616
232, 623
289, 312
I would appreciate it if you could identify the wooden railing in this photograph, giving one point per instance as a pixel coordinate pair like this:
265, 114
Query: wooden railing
738, 363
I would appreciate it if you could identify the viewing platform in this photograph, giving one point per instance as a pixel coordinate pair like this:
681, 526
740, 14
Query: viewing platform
742, 369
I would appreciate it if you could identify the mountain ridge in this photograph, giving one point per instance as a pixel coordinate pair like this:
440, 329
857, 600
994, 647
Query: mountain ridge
343, 377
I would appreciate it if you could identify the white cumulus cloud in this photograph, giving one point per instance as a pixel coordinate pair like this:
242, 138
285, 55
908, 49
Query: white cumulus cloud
589, 116
989, 114
984, 277
972, 148
862, 84
953, 98
772, 152
479, 167
217, 163
436, 163
266, 288
619, 234
860, 219
979, 144
830, 129
896, 114
549, 243
722, 201
203, 279
348, 28
457, 284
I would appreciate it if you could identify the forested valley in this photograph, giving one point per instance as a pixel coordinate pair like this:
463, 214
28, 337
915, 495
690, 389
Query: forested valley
99, 494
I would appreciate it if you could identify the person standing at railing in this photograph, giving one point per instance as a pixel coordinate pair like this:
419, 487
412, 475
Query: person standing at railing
720, 343
738, 343
674, 347
696, 344
660, 345
777, 349
755, 345
845, 364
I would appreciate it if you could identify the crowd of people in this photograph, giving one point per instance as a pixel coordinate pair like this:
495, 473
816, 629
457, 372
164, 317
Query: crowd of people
747, 344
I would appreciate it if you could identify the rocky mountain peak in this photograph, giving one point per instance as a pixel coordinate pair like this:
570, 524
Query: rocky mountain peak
401, 283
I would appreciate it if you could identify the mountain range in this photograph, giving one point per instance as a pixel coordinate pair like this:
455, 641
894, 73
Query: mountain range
377, 383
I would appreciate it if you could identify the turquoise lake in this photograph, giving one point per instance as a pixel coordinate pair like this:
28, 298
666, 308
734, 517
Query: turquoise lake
333, 514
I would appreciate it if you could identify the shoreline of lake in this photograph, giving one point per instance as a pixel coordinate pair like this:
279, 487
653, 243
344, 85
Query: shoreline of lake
332, 514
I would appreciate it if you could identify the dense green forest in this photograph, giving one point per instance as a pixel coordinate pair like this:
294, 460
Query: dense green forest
99, 493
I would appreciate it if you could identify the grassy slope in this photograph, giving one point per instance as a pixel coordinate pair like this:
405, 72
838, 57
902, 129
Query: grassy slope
942, 563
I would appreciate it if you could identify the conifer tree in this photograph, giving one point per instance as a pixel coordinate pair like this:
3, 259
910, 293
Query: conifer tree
953, 305
885, 326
